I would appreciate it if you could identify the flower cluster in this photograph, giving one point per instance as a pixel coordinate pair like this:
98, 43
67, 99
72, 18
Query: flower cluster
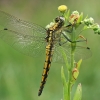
89, 22
75, 19
96, 28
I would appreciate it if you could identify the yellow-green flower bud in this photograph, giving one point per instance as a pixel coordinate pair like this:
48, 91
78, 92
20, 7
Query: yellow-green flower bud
75, 73
89, 21
96, 27
99, 31
75, 12
74, 17
62, 8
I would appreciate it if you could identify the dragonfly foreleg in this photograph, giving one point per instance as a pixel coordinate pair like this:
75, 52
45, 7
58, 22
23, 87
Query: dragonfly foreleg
84, 39
66, 37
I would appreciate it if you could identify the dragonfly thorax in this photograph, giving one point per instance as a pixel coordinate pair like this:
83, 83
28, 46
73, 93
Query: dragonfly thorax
54, 31
59, 22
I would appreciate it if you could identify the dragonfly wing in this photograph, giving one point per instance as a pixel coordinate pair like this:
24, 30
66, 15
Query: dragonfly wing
57, 56
27, 44
80, 53
61, 43
23, 36
12, 23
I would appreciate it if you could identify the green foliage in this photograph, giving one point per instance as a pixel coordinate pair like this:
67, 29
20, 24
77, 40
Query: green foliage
78, 93
65, 85
74, 20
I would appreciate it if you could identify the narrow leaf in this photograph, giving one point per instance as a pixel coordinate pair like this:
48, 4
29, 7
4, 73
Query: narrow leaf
65, 85
78, 93
78, 64
65, 58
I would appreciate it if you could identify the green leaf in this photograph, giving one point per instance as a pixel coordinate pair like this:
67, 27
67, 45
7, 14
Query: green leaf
79, 64
75, 72
78, 93
65, 85
80, 18
66, 15
65, 57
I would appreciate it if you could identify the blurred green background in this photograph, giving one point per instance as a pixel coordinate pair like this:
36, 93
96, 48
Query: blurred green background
20, 75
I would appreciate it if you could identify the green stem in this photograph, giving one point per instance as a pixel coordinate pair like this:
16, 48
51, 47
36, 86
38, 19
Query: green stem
69, 85
73, 45
70, 74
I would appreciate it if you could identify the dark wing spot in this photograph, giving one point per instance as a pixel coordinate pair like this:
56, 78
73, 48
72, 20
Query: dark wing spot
5, 29
88, 48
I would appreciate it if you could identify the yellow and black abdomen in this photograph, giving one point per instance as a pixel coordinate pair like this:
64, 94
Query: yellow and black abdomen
49, 54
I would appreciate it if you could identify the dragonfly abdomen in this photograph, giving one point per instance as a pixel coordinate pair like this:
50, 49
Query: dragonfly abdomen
49, 53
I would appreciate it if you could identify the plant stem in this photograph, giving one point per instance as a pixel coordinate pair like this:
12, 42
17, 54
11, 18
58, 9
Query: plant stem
70, 74
73, 45
69, 85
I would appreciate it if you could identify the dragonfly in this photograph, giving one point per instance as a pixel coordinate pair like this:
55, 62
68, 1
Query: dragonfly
31, 39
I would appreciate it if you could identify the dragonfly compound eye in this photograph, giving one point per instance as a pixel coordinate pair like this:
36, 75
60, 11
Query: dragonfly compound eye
60, 20
57, 19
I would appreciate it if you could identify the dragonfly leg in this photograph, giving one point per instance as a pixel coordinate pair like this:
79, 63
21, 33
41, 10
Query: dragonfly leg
66, 37
69, 28
60, 44
82, 37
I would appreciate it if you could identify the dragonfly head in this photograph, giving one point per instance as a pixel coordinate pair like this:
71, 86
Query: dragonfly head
60, 20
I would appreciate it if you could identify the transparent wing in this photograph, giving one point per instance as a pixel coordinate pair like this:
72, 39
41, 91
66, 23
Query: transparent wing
23, 36
30, 38
12, 23
80, 53
25, 44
